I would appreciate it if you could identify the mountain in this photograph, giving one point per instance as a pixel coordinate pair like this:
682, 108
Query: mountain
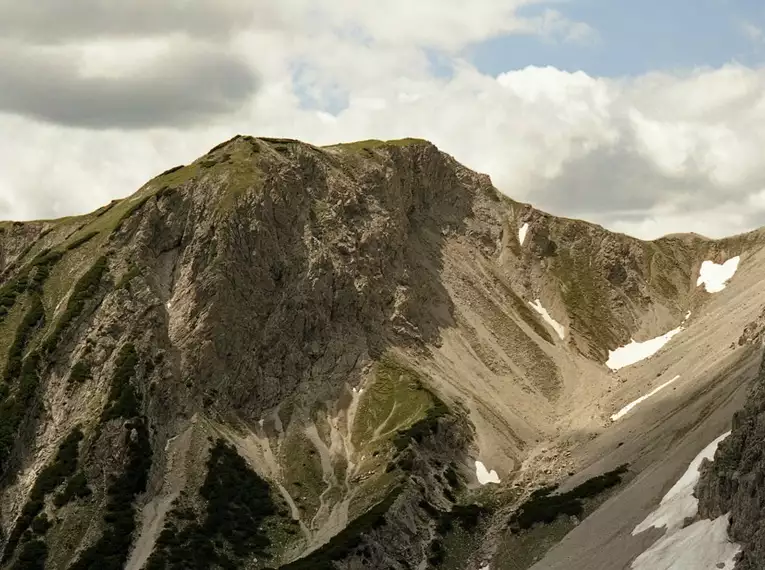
360, 356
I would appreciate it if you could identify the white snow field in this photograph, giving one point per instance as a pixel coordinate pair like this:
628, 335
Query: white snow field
484, 475
704, 544
715, 276
522, 231
559, 328
637, 351
621, 413
679, 501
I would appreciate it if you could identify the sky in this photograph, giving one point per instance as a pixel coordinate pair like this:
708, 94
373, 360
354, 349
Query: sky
645, 117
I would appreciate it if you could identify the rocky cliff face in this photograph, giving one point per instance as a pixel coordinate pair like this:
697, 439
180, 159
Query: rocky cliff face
290, 356
735, 482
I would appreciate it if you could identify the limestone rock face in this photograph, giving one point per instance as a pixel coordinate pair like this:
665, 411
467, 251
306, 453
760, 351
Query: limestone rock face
735, 482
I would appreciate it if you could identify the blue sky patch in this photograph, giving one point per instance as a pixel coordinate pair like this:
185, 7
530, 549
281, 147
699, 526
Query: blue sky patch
637, 37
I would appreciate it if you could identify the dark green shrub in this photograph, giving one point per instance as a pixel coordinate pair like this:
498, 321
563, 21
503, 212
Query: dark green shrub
13, 408
238, 503
542, 491
543, 507
81, 241
41, 267
452, 478
41, 524
596, 485
123, 399
85, 289
437, 554
467, 516
76, 488
64, 465
9, 292
80, 372
111, 550
29, 324
432, 511
32, 556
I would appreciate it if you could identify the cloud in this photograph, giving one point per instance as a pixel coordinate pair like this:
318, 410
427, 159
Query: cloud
554, 25
53, 22
449, 25
751, 31
96, 110
184, 85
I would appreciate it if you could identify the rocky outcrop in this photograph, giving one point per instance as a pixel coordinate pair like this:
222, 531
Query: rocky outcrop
735, 482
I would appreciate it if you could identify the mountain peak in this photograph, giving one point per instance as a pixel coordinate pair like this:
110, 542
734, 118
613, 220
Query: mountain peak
318, 346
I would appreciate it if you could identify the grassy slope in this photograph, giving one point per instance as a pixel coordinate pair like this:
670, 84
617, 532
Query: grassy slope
391, 405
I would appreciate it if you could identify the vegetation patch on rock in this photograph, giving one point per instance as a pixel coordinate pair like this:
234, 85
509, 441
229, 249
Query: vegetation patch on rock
63, 466
123, 398
111, 550
396, 406
544, 506
84, 290
238, 503
348, 540
29, 324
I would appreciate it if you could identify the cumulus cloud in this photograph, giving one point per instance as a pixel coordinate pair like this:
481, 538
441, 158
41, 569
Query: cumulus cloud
178, 87
96, 110
51, 21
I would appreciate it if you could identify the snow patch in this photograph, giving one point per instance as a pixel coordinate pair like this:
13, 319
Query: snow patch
687, 316
704, 544
621, 413
559, 328
485, 476
486, 567
522, 231
679, 502
716, 276
637, 351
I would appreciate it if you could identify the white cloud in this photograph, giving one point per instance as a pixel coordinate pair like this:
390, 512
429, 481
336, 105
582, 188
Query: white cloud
442, 24
752, 31
647, 155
